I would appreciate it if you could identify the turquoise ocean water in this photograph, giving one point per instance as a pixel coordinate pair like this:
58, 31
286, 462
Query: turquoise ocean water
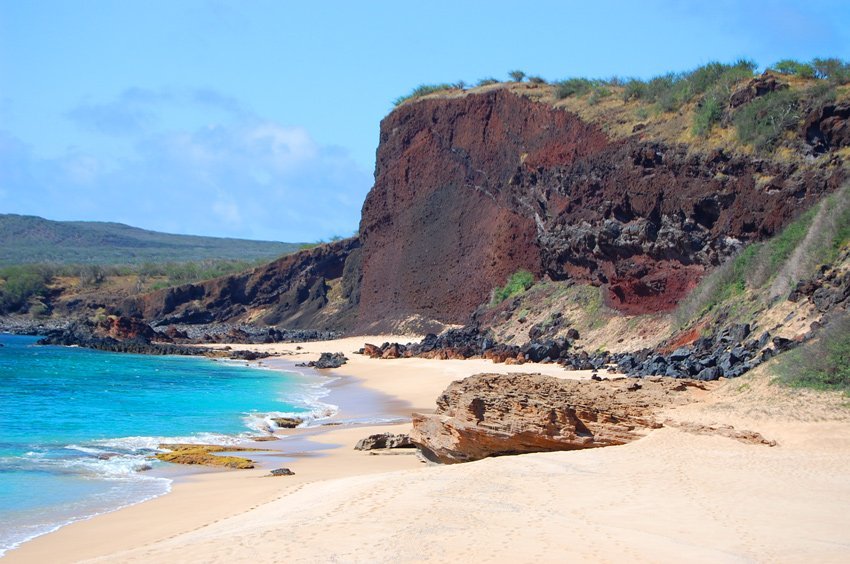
78, 427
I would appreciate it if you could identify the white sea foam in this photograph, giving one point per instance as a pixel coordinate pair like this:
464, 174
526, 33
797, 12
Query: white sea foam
31, 526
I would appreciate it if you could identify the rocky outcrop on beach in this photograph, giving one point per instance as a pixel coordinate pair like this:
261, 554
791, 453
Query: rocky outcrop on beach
241, 333
492, 415
327, 360
470, 342
728, 431
728, 353
25, 325
117, 334
384, 441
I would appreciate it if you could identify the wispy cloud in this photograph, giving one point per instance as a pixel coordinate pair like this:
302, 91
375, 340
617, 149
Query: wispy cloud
129, 114
215, 99
137, 111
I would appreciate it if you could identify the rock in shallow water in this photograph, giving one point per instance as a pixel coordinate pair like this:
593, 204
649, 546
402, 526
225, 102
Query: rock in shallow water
327, 360
287, 422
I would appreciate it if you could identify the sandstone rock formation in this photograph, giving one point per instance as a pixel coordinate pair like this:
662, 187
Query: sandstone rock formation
490, 415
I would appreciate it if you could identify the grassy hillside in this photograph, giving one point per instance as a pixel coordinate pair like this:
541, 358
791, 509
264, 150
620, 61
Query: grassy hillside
30, 239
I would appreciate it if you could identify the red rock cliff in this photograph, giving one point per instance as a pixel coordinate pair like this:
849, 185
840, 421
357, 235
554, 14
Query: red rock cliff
440, 228
470, 189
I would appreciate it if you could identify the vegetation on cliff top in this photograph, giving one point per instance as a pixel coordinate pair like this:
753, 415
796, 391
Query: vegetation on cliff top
704, 95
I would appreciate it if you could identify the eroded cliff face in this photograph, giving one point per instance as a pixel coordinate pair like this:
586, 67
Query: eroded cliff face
470, 189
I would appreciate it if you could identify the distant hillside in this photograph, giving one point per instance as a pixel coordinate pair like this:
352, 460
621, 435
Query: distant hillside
28, 239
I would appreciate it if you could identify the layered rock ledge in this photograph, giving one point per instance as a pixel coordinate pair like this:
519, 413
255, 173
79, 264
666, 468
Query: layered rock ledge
492, 415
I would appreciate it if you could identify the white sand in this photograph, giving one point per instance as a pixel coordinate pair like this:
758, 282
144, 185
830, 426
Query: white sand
669, 497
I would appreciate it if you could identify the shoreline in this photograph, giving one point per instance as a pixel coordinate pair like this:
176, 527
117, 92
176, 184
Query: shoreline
169, 475
669, 496
357, 390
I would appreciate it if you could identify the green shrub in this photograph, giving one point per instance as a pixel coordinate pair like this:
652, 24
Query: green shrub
794, 68
822, 364
21, 284
536, 80
763, 121
519, 282
634, 89
91, 275
572, 87
516, 75
422, 90
597, 94
708, 113
834, 70
642, 113
39, 309
671, 91
488, 81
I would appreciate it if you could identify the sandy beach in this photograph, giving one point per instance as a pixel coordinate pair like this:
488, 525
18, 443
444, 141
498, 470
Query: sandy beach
672, 496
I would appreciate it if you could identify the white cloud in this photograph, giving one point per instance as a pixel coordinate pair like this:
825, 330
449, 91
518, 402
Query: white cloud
247, 178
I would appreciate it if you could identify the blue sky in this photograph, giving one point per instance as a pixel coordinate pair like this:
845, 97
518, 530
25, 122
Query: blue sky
260, 119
